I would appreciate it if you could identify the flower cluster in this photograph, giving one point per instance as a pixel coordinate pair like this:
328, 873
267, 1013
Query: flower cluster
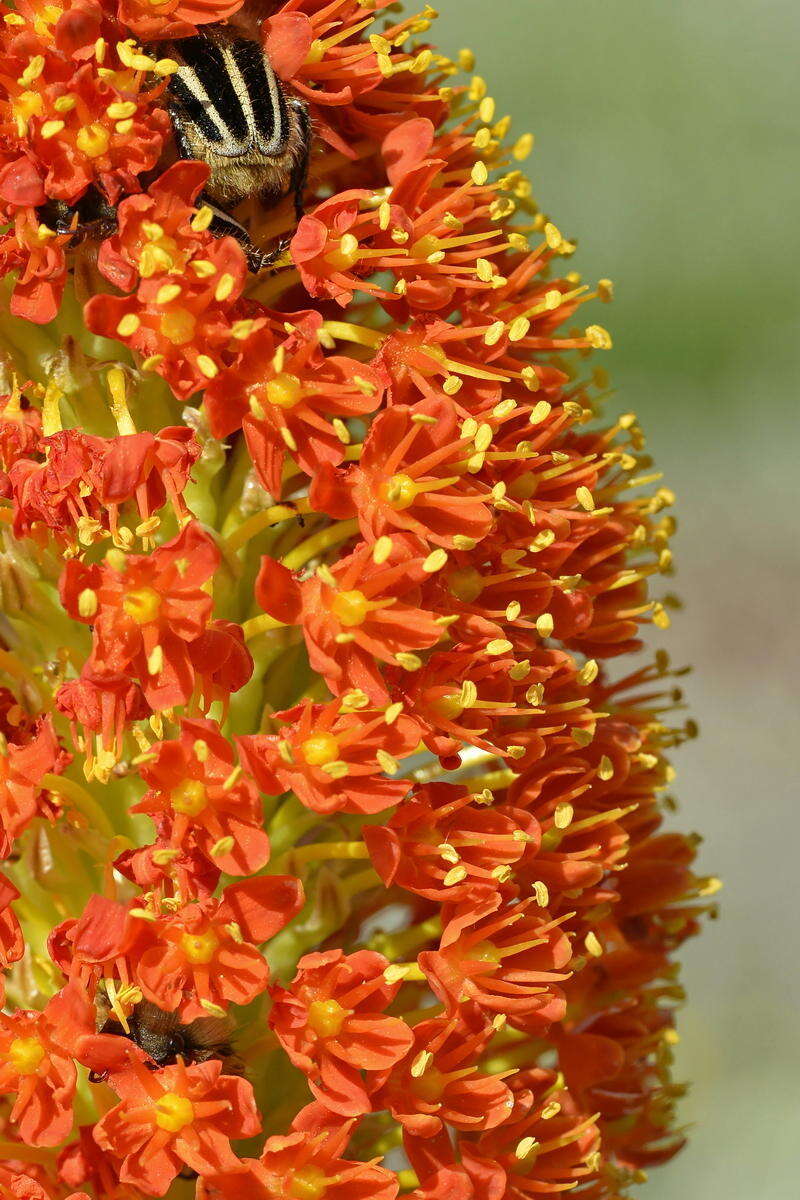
331, 828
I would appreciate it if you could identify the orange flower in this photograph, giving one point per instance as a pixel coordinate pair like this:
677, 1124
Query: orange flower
411, 476
333, 759
174, 1117
145, 611
332, 1023
355, 615
195, 796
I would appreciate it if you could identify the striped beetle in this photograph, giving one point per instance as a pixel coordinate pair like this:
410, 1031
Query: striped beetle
228, 109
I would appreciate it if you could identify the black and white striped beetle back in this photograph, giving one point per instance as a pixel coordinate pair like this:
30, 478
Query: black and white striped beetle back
229, 110
231, 95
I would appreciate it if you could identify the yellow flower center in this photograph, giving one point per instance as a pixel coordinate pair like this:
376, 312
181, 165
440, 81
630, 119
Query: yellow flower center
178, 326
400, 491
448, 706
326, 1017
189, 797
319, 749
486, 952
142, 605
309, 1183
93, 140
160, 254
284, 390
174, 1112
200, 948
26, 1054
342, 256
466, 584
350, 608
27, 105
430, 1085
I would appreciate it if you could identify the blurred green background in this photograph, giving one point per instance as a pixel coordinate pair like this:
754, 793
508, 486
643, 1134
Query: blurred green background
667, 143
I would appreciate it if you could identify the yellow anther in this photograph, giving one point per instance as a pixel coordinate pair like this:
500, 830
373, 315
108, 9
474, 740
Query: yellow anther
563, 815
593, 945
87, 603
544, 624
525, 1147
344, 255
530, 378
477, 88
518, 329
455, 875
499, 646
51, 128
483, 438
409, 662
167, 293
202, 219
155, 661
553, 236
522, 147
224, 288
166, 66
479, 174
120, 111
588, 672
33, 70
435, 561
606, 769
207, 366
605, 290
204, 269
599, 337
382, 550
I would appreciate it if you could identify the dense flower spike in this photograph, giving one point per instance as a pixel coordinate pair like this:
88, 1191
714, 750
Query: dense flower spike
330, 818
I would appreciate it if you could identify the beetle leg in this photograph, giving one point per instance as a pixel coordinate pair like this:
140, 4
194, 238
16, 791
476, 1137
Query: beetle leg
224, 225
300, 172
92, 220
